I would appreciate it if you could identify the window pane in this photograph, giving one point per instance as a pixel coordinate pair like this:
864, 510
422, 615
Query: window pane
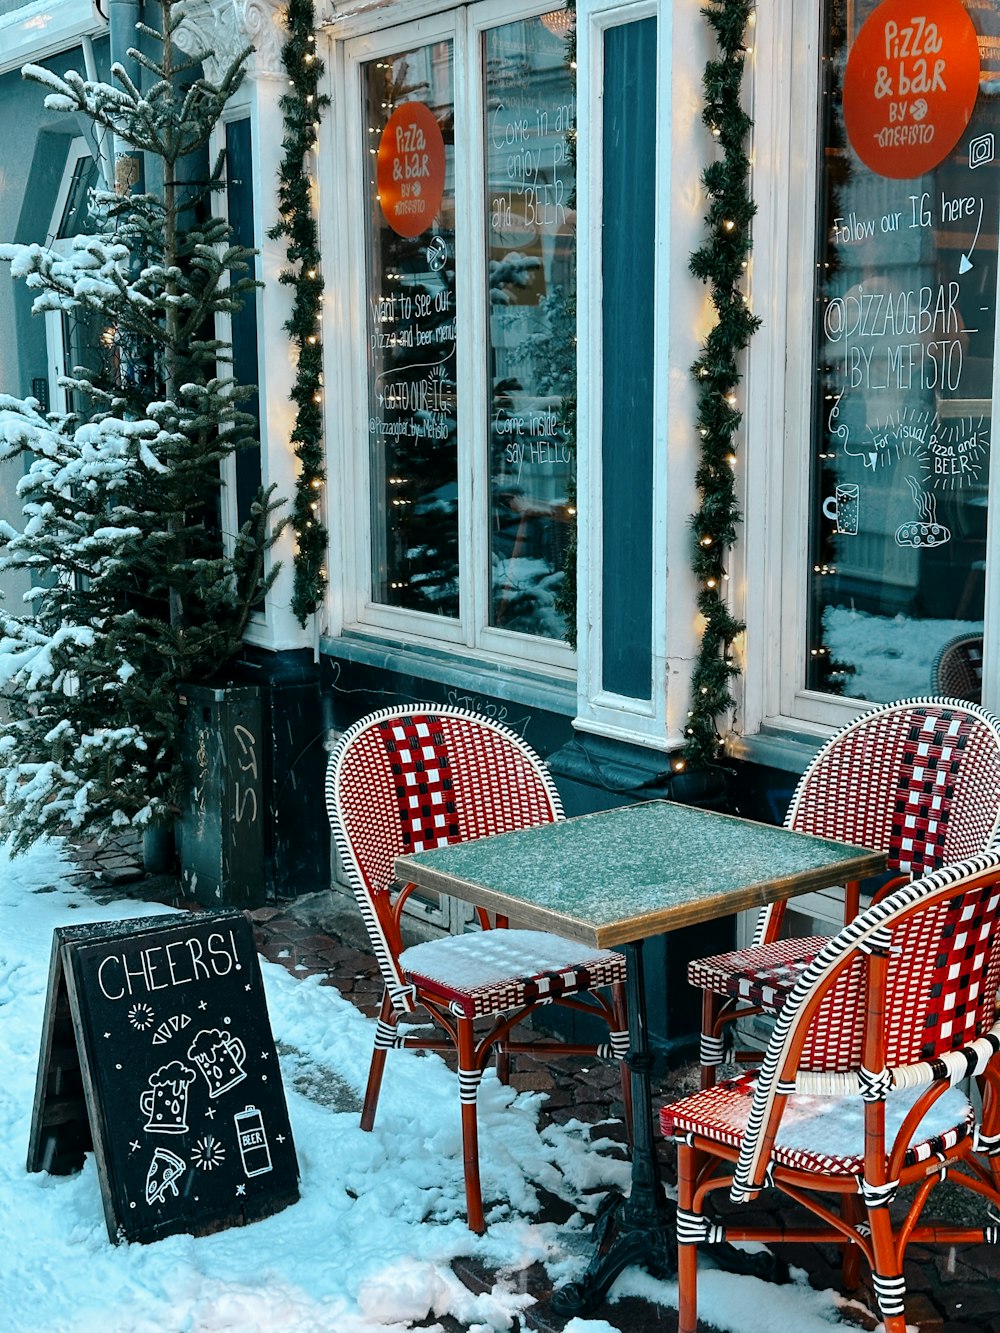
410, 147
531, 237
905, 320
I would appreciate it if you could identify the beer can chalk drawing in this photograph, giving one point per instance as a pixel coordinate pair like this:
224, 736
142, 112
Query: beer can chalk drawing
252, 1139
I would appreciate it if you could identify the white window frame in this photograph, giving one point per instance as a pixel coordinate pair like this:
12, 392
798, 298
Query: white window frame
771, 558
598, 710
343, 229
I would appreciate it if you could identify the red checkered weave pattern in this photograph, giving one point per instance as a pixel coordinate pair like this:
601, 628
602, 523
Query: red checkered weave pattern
421, 769
925, 789
958, 670
773, 971
919, 779
811, 1128
494, 784
945, 992
942, 978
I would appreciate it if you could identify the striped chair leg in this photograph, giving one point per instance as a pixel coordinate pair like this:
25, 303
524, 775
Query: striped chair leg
712, 1045
469, 1075
687, 1254
887, 1276
385, 1039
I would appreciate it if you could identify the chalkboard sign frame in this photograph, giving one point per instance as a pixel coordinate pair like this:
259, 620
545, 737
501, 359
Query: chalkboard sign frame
106, 1028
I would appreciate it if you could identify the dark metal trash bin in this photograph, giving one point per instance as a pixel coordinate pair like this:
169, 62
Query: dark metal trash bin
222, 820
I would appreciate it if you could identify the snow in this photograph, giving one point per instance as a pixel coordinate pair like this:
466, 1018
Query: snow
367, 1248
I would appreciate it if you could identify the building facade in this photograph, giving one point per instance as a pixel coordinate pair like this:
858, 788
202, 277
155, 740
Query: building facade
509, 325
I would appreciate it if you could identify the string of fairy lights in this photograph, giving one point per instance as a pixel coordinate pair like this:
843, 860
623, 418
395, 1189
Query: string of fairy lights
301, 107
722, 262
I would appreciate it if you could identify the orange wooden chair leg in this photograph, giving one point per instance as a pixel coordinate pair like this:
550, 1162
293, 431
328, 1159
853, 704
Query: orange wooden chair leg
503, 1063
853, 1212
468, 1087
384, 1034
687, 1255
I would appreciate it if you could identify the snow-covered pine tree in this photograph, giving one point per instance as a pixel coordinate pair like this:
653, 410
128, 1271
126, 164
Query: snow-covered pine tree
135, 588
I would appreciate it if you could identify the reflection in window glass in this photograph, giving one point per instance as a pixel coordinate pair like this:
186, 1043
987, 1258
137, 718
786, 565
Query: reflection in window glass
410, 321
531, 237
905, 321
90, 342
80, 216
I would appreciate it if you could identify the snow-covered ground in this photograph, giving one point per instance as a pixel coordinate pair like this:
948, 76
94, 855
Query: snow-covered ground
367, 1249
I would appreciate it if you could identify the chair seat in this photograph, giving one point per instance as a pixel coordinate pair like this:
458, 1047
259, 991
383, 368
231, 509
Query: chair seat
490, 971
820, 1134
763, 975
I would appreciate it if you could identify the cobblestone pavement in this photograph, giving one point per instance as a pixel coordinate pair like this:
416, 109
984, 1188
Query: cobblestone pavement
316, 936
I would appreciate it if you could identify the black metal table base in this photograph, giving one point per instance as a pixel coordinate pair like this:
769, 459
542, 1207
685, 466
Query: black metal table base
641, 1228
621, 1240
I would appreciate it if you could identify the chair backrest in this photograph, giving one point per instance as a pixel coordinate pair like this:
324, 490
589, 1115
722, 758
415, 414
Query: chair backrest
918, 779
402, 780
958, 668
904, 996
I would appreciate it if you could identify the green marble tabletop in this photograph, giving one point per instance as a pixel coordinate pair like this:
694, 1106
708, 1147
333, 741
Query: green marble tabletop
636, 870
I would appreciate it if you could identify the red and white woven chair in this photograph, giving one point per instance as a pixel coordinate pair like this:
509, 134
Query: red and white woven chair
400, 782
958, 668
858, 1093
918, 779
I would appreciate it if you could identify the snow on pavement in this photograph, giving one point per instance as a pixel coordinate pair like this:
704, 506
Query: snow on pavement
368, 1247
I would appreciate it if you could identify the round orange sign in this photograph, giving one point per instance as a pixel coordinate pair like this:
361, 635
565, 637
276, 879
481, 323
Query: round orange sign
910, 85
411, 169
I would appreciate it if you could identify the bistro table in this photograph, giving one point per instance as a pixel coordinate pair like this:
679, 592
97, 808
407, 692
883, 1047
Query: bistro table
611, 879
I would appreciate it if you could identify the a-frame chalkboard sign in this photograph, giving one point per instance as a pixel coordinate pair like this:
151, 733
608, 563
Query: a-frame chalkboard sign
157, 1055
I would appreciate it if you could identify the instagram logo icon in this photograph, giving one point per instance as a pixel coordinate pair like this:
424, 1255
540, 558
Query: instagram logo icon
981, 151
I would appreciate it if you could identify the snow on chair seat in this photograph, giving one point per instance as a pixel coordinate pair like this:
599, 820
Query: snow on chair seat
821, 1134
492, 971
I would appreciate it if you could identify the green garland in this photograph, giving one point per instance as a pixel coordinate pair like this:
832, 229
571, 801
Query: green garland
301, 107
721, 261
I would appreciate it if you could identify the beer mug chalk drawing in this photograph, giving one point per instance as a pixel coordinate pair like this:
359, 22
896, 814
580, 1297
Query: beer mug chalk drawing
164, 1102
220, 1057
843, 508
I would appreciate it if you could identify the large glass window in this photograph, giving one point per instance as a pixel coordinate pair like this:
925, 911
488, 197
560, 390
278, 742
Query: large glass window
905, 324
531, 239
409, 111
470, 290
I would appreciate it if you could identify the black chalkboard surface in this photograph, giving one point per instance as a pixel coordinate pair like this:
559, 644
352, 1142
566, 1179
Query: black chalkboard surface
157, 1054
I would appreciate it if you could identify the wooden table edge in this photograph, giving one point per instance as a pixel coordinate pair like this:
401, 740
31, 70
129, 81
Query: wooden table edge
534, 917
